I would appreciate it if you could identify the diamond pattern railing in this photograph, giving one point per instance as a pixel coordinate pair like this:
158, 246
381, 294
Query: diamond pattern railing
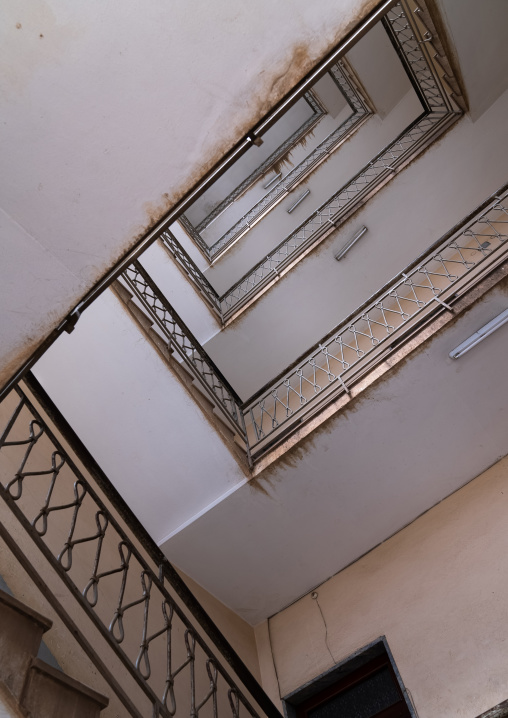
192, 271
325, 219
184, 345
358, 343
173, 664
328, 368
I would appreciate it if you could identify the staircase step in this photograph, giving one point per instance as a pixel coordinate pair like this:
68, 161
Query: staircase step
9, 707
49, 693
21, 631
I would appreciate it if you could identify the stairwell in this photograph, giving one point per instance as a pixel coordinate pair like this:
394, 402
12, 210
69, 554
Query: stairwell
29, 687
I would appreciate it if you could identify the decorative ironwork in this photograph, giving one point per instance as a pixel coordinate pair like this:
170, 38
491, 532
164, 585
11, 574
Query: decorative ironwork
330, 367
340, 358
265, 166
127, 589
190, 268
183, 343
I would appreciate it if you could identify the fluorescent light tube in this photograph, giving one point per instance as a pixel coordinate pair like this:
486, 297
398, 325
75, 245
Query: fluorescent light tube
480, 335
345, 249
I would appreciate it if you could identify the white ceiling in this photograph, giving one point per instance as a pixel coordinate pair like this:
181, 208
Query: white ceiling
431, 426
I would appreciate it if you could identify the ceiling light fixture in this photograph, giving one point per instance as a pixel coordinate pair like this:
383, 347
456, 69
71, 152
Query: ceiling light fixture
345, 249
300, 199
480, 335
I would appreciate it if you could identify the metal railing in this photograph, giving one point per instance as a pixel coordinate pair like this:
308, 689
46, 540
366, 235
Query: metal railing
413, 42
184, 345
317, 113
343, 78
421, 291
287, 183
175, 661
187, 200
192, 271
424, 288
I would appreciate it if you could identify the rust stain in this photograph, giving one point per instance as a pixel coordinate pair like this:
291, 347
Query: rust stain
297, 62
256, 485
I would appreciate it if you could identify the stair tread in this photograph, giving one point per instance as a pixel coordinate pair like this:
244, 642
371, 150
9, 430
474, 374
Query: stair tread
72, 683
8, 600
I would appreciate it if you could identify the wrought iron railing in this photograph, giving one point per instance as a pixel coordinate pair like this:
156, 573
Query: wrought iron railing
317, 113
414, 43
192, 271
422, 290
184, 345
174, 660
329, 369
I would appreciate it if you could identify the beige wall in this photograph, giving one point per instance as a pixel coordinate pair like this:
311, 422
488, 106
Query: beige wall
437, 590
237, 631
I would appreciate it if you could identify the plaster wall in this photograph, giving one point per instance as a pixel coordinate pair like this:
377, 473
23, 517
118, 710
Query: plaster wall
111, 111
478, 33
411, 438
136, 418
238, 632
404, 218
437, 591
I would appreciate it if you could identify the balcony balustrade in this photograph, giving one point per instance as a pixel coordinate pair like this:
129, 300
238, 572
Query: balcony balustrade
418, 294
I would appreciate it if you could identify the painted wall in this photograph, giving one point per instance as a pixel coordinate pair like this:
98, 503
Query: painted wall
477, 32
237, 631
437, 591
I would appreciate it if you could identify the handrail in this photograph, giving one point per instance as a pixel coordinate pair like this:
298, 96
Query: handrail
182, 341
25, 431
296, 175
317, 113
332, 365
